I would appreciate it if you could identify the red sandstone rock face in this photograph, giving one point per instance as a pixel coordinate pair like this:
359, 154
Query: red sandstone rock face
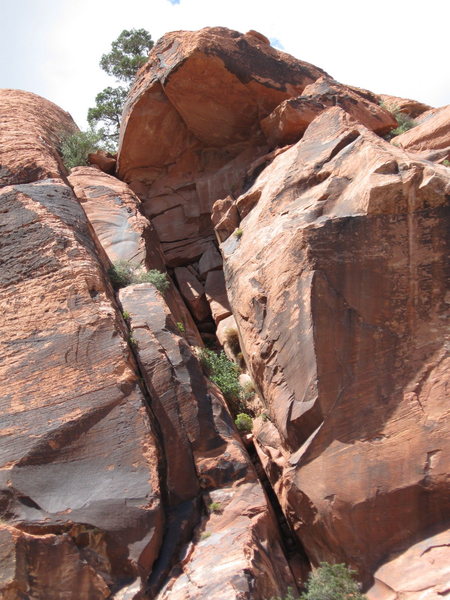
80, 466
114, 212
31, 131
339, 295
201, 96
204, 461
422, 571
287, 123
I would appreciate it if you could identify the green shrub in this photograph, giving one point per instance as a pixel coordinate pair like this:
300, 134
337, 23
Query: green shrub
126, 315
75, 147
446, 163
404, 123
215, 507
224, 373
244, 422
123, 273
180, 326
332, 582
156, 278
238, 232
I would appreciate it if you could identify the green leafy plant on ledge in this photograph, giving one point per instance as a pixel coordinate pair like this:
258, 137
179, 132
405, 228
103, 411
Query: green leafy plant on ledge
329, 582
224, 373
123, 273
215, 507
404, 121
244, 422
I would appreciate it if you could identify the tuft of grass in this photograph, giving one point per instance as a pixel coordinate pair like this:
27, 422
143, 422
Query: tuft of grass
123, 273
238, 232
132, 340
244, 422
215, 507
180, 326
126, 315
446, 163
205, 535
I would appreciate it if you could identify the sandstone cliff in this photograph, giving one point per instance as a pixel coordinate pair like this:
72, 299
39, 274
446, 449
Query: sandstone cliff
265, 192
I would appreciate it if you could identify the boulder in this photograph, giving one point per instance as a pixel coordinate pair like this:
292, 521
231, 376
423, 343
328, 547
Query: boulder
432, 133
209, 261
194, 108
216, 295
103, 160
412, 108
32, 130
193, 293
421, 571
339, 296
287, 123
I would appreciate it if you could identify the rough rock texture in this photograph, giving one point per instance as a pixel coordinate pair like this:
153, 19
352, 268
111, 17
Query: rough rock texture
30, 133
236, 553
432, 133
287, 123
201, 95
422, 571
114, 212
338, 288
413, 108
79, 461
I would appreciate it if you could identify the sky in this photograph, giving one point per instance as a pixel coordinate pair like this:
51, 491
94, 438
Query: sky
397, 47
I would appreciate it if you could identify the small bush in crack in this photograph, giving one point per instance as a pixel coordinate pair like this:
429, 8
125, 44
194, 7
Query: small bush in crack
180, 326
244, 423
238, 233
332, 582
215, 507
224, 373
123, 273
405, 123
155, 277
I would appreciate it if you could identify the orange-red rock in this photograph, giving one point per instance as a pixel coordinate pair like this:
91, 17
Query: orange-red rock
337, 285
287, 123
32, 129
422, 571
114, 213
238, 550
432, 133
196, 106
413, 108
103, 160
79, 460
